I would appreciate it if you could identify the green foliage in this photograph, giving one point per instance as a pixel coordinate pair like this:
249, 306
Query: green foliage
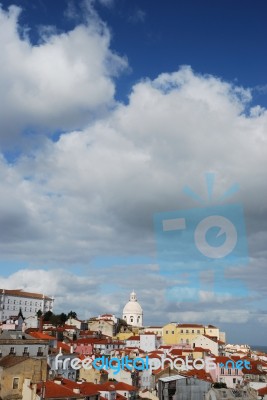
47, 316
56, 319
72, 314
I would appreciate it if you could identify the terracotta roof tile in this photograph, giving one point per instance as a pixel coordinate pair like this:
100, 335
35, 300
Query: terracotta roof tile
40, 335
22, 293
10, 361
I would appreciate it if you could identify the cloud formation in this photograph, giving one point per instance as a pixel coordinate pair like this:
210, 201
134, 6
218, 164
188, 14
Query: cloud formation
59, 83
94, 190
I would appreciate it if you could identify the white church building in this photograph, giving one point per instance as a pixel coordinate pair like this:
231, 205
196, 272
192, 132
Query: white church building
132, 312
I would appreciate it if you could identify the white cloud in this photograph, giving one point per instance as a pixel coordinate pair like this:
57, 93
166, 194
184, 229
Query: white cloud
94, 191
218, 316
79, 293
58, 84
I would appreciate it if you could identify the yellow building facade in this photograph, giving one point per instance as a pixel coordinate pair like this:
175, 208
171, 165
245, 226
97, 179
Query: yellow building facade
186, 333
170, 334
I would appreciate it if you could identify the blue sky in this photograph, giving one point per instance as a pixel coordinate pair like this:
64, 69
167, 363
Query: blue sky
109, 109
222, 38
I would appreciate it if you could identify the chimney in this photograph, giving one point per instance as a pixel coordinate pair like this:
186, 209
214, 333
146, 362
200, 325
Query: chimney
40, 324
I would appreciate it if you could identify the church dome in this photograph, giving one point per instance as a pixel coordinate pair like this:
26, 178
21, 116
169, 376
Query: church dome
132, 311
132, 307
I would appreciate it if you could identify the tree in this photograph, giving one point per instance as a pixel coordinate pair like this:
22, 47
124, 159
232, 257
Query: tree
121, 323
47, 316
58, 319
55, 320
63, 318
72, 314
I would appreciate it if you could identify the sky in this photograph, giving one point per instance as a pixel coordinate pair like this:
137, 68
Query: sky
109, 109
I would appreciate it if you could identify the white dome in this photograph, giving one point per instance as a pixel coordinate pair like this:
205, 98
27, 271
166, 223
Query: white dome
132, 307
132, 311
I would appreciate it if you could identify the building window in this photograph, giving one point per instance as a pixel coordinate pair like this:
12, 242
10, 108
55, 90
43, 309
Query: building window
14, 302
12, 350
234, 380
182, 331
222, 371
229, 371
187, 331
236, 371
172, 332
187, 341
15, 383
193, 331
167, 332
198, 331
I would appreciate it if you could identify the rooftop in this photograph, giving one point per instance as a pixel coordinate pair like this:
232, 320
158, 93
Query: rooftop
22, 293
10, 361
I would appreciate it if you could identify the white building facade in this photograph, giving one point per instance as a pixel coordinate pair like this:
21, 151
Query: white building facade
132, 312
206, 343
149, 342
12, 301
